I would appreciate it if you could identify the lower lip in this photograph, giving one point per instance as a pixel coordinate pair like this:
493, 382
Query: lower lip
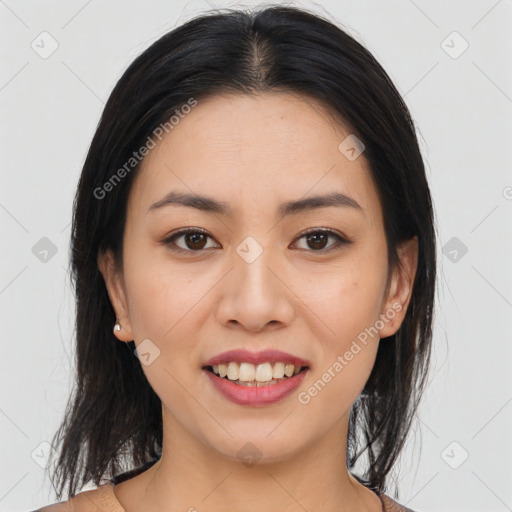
264, 395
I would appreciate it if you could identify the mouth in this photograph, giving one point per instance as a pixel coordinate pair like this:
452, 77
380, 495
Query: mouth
260, 385
256, 375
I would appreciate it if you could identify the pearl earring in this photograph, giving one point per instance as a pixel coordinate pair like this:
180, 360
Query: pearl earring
117, 327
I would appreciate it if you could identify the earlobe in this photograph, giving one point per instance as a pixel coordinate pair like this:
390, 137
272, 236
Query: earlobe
400, 288
117, 295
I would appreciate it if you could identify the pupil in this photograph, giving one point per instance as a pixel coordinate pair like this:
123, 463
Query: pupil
193, 237
316, 235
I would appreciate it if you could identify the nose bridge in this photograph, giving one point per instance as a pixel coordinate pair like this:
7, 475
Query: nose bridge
256, 296
252, 267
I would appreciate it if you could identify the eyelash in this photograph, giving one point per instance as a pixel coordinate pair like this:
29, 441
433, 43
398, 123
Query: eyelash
169, 241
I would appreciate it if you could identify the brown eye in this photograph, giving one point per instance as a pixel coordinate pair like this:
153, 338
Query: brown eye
194, 240
317, 239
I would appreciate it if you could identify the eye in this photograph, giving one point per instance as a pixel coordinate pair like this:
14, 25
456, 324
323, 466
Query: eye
317, 238
194, 240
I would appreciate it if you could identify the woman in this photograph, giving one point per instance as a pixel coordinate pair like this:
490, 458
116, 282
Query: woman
253, 252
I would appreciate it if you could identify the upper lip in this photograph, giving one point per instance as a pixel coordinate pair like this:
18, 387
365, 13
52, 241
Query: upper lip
264, 356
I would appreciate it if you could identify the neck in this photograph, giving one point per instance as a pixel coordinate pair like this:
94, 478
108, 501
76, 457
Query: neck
192, 476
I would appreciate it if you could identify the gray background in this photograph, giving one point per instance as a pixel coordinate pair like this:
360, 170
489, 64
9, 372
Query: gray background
461, 102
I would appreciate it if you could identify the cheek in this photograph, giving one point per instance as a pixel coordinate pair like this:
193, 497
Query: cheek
349, 345
159, 297
330, 392
161, 307
346, 299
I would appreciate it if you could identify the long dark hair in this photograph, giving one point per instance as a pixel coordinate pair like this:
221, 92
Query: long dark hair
113, 419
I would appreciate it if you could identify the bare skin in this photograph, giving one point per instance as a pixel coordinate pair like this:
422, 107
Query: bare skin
310, 298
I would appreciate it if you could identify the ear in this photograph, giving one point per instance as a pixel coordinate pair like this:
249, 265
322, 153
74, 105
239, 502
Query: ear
399, 289
116, 292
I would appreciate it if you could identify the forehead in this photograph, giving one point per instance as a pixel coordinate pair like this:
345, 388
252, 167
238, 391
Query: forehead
267, 148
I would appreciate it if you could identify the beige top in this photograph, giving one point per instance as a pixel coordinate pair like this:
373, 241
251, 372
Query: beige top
104, 499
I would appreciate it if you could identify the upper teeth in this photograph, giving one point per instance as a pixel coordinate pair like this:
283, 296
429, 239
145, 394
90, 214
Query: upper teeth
263, 372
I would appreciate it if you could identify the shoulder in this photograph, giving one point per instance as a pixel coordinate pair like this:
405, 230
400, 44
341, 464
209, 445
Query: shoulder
102, 498
391, 505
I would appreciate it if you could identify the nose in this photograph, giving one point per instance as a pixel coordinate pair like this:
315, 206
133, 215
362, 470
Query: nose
256, 293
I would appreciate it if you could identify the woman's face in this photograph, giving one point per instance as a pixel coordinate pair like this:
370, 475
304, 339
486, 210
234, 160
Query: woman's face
254, 281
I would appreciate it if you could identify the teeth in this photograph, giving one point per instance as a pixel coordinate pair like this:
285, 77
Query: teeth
261, 373
233, 371
223, 370
278, 371
247, 372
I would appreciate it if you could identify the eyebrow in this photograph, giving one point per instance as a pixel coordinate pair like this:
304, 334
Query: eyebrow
209, 205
